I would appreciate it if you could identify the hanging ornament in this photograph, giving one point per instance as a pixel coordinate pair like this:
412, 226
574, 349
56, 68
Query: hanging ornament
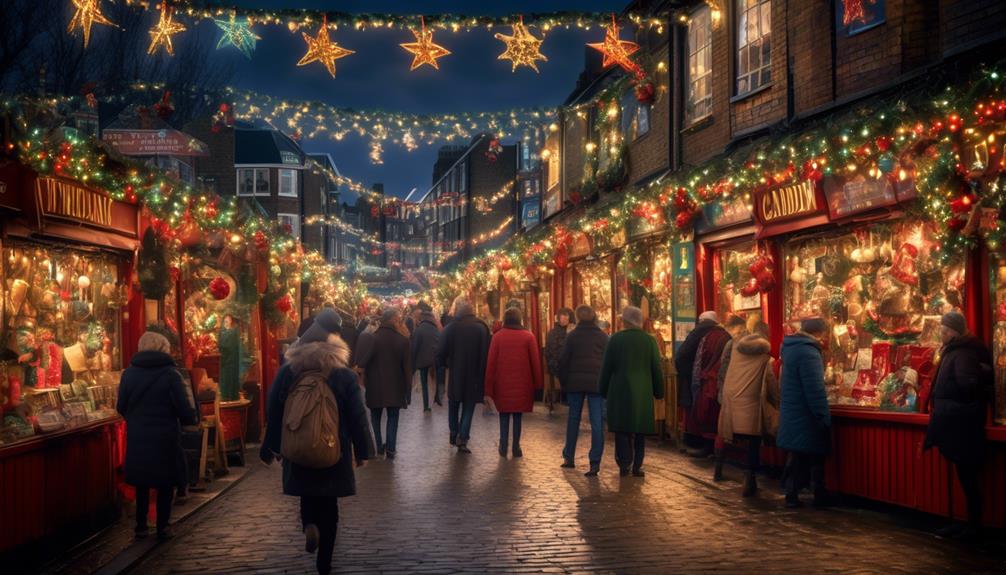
617, 51
854, 11
261, 241
322, 49
164, 108
522, 48
88, 13
284, 304
160, 34
424, 51
646, 92
237, 33
219, 288
494, 150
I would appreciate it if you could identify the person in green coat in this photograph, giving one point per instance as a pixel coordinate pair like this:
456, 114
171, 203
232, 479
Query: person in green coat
631, 379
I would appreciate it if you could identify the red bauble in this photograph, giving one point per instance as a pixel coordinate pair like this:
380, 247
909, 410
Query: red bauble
284, 304
684, 219
646, 93
750, 288
956, 224
261, 241
219, 288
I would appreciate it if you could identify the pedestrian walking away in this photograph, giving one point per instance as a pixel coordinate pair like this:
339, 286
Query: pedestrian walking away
553, 348
513, 373
320, 351
580, 376
463, 351
425, 338
962, 389
153, 401
804, 417
703, 415
386, 360
631, 378
684, 364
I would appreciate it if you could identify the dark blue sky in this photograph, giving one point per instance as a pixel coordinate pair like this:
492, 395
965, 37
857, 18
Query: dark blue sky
377, 76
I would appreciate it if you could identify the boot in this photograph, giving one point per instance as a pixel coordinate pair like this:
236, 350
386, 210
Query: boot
517, 451
750, 485
568, 464
503, 448
718, 471
595, 468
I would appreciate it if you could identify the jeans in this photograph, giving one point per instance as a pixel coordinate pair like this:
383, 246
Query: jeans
595, 410
323, 513
424, 372
629, 450
968, 475
505, 429
804, 468
164, 497
392, 432
461, 420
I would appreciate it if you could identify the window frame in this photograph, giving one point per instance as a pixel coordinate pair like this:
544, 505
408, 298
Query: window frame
691, 118
293, 183
741, 48
255, 179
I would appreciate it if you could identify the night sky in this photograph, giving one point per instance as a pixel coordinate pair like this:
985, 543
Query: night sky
377, 76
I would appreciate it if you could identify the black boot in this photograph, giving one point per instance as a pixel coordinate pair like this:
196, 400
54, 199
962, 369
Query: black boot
503, 448
750, 485
718, 471
595, 468
517, 451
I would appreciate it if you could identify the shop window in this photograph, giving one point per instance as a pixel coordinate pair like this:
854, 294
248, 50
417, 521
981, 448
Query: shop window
999, 336
700, 63
61, 319
735, 294
253, 182
595, 287
553, 169
754, 45
882, 290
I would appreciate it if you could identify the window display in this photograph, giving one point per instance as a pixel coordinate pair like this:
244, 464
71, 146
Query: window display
998, 283
61, 357
595, 278
660, 286
882, 288
739, 292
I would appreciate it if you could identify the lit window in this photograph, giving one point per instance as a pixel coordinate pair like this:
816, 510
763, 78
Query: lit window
553, 169
290, 223
754, 45
288, 183
253, 182
700, 61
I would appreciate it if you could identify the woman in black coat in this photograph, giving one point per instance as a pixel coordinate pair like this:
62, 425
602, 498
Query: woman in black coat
387, 363
153, 401
961, 392
320, 349
464, 351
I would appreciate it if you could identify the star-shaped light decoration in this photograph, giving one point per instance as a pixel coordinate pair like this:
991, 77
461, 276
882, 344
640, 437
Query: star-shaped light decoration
160, 34
617, 51
522, 48
423, 49
88, 13
237, 33
322, 49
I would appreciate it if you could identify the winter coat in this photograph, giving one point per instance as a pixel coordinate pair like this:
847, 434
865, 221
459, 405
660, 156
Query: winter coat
631, 378
553, 347
355, 438
750, 391
425, 338
962, 389
463, 350
349, 335
153, 401
804, 418
684, 360
704, 413
581, 359
387, 368
513, 370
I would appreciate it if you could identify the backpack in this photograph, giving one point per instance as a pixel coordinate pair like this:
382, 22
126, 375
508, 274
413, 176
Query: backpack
311, 423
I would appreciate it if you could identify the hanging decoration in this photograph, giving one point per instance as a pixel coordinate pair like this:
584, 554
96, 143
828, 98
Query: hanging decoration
424, 50
219, 288
854, 11
494, 150
762, 270
88, 13
322, 49
522, 47
161, 33
616, 50
237, 33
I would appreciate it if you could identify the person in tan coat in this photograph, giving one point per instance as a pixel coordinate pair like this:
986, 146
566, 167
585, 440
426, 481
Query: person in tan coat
750, 409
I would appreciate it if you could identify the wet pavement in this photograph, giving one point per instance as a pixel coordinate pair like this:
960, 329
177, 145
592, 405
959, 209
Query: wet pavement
432, 510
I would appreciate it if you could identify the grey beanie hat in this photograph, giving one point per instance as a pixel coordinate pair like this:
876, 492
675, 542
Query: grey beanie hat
325, 323
813, 325
955, 321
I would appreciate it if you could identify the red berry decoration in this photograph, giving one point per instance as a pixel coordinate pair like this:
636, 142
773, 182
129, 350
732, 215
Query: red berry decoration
219, 288
261, 241
284, 304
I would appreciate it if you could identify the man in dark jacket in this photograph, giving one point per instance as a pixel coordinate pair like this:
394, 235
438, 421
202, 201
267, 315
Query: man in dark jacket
320, 349
464, 350
153, 401
386, 361
425, 338
579, 374
804, 418
961, 392
553, 348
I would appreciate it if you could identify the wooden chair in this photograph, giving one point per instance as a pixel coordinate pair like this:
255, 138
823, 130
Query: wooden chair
210, 424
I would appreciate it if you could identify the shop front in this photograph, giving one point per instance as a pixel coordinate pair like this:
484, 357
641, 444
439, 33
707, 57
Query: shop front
68, 325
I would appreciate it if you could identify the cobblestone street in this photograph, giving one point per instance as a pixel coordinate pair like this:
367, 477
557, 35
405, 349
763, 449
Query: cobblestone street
431, 510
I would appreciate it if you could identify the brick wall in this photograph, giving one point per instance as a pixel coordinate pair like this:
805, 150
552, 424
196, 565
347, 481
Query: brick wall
707, 138
219, 165
810, 53
649, 153
965, 23
574, 139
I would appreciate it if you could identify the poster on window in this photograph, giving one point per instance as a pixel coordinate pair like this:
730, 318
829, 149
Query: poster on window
856, 16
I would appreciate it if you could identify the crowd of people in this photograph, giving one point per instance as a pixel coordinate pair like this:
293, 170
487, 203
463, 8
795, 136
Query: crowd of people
732, 389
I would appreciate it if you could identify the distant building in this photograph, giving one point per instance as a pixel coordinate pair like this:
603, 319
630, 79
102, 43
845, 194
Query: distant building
150, 139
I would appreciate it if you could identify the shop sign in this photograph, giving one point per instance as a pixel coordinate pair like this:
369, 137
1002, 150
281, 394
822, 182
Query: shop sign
530, 212
723, 213
154, 143
859, 194
787, 202
68, 201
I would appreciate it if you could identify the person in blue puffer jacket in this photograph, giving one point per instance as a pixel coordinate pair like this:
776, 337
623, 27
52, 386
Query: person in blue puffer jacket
804, 418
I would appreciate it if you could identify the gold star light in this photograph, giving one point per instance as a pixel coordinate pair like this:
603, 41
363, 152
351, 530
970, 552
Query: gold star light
322, 49
616, 51
423, 49
160, 34
522, 49
88, 13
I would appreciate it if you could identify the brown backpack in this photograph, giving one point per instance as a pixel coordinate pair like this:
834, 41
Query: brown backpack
311, 423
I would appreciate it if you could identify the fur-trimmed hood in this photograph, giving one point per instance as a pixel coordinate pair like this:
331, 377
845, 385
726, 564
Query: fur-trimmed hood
323, 356
753, 344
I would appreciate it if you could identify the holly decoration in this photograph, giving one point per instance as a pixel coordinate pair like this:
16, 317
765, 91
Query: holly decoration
284, 304
261, 241
219, 288
494, 150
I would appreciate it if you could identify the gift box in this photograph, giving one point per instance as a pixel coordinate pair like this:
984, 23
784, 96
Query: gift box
883, 358
865, 390
921, 360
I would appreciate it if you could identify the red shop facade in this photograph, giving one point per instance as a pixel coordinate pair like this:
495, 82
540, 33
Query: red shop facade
847, 250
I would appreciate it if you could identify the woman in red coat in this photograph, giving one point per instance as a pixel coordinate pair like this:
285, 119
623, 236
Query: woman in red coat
512, 374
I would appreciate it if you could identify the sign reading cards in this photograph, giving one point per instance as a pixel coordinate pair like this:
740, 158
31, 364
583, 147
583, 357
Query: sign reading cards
154, 143
859, 194
787, 202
